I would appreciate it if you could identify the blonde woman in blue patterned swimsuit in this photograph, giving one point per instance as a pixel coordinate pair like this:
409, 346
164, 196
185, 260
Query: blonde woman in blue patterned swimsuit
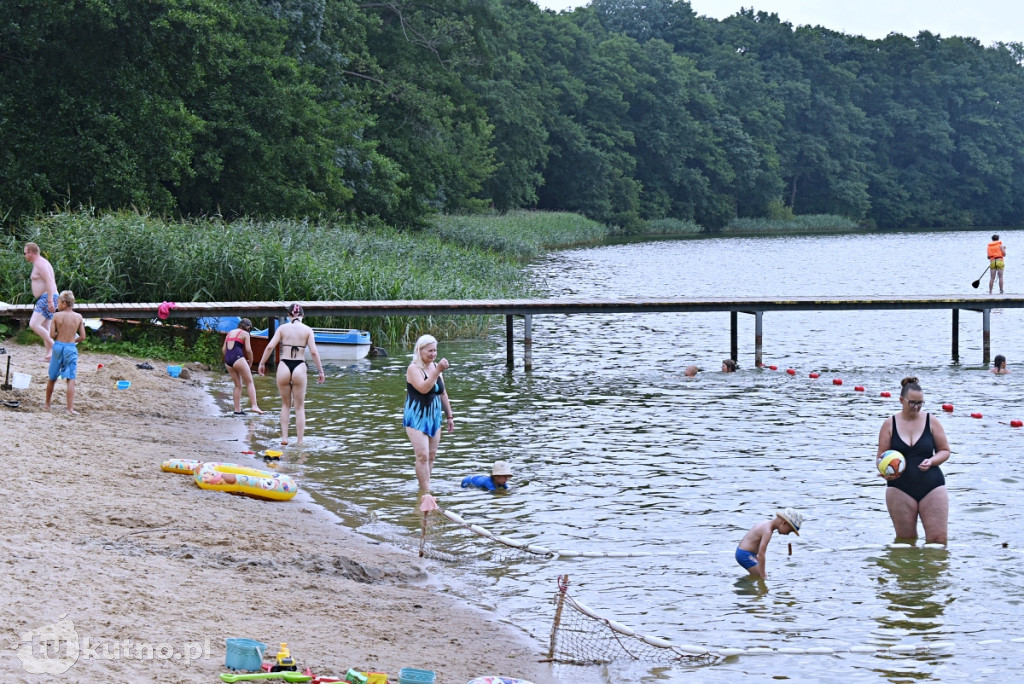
426, 403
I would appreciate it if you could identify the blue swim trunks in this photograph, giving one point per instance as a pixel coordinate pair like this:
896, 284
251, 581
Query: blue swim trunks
747, 559
64, 362
42, 308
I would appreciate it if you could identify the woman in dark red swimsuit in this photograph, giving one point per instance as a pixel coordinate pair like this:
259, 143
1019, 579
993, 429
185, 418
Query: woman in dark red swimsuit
238, 358
920, 490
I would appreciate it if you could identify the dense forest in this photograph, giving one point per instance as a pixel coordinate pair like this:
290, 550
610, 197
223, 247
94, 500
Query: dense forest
622, 111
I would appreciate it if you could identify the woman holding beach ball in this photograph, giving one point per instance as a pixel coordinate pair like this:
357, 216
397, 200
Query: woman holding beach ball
426, 404
919, 491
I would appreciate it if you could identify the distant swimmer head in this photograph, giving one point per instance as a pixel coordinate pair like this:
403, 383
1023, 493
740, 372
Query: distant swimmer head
501, 468
690, 371
999, 361
729, 366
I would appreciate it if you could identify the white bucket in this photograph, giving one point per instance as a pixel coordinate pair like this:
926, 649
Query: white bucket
20, 380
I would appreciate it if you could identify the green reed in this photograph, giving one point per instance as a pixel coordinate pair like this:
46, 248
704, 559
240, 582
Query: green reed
128, 257
519, 234
808, 223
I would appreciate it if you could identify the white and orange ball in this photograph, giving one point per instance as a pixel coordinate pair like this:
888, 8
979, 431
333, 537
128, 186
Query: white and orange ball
892, 463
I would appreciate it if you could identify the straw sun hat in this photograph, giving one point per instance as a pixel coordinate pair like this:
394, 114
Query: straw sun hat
500, 468
793, 517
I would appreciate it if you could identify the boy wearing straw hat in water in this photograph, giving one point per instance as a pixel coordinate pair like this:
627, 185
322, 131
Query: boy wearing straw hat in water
753, 548
498, 479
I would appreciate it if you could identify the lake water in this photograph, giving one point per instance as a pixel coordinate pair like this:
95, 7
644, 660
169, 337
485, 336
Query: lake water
614, 450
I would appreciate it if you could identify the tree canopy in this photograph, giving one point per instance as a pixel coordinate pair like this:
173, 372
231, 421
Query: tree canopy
623, 111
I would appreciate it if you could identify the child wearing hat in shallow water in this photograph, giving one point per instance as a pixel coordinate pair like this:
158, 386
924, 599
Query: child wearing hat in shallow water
499, 477
753, 548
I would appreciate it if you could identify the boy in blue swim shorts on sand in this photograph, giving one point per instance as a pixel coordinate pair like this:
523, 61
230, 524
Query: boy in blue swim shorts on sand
68, 330
753, 548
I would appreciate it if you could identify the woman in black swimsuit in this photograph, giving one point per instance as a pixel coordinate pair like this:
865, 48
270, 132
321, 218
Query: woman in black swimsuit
237, 350
920, 491
294, 338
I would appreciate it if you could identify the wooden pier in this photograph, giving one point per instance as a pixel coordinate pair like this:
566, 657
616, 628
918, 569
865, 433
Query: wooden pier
527, 308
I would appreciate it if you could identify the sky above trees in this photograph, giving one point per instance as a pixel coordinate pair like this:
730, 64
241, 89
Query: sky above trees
987, 20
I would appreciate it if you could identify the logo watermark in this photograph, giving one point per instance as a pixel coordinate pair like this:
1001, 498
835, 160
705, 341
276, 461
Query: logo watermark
55, 648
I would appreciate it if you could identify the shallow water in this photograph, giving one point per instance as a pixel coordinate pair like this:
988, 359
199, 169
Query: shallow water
614, 450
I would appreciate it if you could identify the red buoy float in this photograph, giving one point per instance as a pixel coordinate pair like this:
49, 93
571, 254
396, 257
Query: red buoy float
947, 407
858, 388
813, 375
1017, 423
975, 415
791, 371
837, 381
774, 367
885, 394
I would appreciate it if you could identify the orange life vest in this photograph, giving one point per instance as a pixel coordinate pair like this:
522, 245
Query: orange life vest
995, 250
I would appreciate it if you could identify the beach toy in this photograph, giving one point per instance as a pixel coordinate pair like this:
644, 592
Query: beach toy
99, 365
376, 678
270, 453
837, 381
244, 654
228, 477
174, 371
184, 466
498, 680
255, 677
411, 675
858, 388
885, 394
947, 407
813, 375
123, 384
20, 380
1017, 423
356, 677
284, 660
892, 463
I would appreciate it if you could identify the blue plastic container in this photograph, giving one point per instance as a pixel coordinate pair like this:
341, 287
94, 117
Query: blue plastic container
174, 371
123, 384
244, 654
410, 675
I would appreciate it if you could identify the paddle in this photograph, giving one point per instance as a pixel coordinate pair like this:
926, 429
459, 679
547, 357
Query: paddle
977, 282
285, 675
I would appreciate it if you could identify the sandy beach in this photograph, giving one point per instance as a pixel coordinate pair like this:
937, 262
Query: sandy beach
146, 575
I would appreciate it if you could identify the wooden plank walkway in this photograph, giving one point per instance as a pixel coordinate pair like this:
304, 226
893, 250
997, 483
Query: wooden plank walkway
527, 308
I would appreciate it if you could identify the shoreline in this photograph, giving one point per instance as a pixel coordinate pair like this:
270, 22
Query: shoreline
115, 555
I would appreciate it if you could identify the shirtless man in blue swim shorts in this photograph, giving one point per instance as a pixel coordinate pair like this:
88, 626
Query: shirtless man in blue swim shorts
44, 289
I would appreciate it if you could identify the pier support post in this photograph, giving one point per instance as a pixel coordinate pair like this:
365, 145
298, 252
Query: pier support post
510, 359
956, 335
986, 335
733, 339
757, 338
528, 342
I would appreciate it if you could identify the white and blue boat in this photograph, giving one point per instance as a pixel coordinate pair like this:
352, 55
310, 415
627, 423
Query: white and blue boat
334, 344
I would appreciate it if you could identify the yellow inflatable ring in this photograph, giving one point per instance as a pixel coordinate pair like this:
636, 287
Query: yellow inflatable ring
185, 466
228, 477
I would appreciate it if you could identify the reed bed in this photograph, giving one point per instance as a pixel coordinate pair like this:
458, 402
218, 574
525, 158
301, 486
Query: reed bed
808, 223
521, 235
129, 257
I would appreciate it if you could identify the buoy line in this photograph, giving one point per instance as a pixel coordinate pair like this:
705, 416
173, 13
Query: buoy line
946, 406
